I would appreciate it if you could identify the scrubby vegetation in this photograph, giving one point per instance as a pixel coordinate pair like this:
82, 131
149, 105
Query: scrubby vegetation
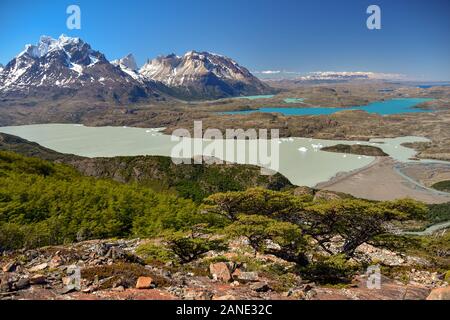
356, 149
190, 181
355, 221
45, 203
435, 249
120, 274
442, 186
439, 212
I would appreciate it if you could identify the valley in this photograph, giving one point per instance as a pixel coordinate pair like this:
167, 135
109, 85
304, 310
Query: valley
87, 181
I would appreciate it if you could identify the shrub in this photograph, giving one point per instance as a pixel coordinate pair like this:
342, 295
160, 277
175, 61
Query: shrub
152, 252
191, 245
447, 276
439, 212
330, 270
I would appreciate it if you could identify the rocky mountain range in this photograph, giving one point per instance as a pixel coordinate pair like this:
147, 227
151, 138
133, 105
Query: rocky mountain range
202, 74
69, 67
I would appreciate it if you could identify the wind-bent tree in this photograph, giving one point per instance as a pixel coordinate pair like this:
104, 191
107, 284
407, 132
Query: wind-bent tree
275, 204
191, 245
354, 221
282, 239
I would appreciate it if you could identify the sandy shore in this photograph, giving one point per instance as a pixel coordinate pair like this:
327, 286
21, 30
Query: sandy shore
381, 181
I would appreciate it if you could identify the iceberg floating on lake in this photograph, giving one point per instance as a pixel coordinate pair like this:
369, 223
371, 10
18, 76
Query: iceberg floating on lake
316, 147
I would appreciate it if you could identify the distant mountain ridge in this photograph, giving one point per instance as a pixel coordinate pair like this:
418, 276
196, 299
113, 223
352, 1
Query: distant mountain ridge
68, 67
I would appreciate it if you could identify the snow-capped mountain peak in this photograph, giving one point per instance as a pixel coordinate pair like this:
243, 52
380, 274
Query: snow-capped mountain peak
70, 65
47, 44
128, 65
66, 64
202, 74
126, 62
51, 61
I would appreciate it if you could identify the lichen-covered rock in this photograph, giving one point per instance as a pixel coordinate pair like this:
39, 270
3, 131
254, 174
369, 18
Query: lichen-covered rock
220, 271
439, 294
145, 283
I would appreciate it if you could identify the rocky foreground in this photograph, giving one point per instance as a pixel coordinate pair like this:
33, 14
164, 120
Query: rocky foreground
105, 270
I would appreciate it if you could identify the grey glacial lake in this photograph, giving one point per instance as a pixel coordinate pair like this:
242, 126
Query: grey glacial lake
300, 159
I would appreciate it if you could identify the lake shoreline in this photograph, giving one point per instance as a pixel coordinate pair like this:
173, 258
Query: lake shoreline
301, 160
381, 181
343, 175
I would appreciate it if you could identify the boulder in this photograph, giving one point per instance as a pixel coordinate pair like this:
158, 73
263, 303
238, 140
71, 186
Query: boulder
260, 287
220, 271
118, 289
296, 294
38, 279
55, 262
145, 283
21, 284
39, 267
9, 266
68, 289
439, 294
224, 297
5, 284
236, 273
245, 276
67, 280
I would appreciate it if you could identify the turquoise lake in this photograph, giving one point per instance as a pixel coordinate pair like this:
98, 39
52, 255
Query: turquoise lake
394, 106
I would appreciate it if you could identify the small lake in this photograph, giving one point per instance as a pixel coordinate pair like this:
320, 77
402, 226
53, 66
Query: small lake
300, 159
393, 106
266, 96
294, 100
428, 86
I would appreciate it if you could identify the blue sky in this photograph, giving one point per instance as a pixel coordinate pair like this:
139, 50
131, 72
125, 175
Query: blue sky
291, 35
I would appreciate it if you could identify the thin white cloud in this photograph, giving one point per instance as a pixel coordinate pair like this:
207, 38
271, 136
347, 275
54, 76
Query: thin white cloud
268, 72
329, 75
325, 75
